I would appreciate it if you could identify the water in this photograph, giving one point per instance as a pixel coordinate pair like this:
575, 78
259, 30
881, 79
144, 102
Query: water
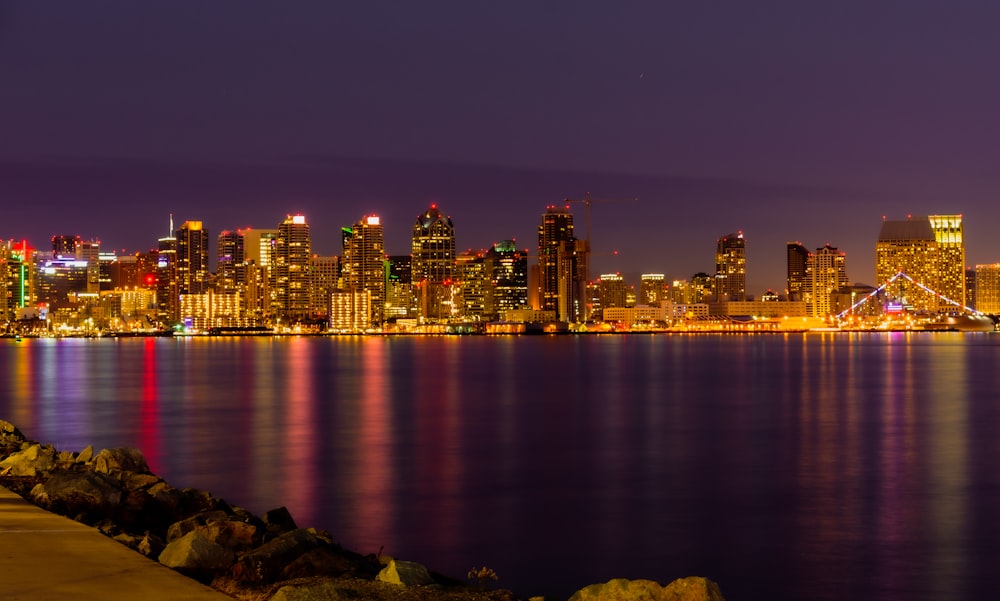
799, 466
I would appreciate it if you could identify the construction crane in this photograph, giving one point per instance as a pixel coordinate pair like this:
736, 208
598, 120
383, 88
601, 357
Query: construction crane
587, 201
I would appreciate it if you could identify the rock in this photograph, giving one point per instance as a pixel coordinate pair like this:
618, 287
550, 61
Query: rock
406, 573
182, 527
324, 590
86, 455
30, 461
197, 556
89, 494
120, 459
328, 561
692, 588
279, 521
9, 430
266, 562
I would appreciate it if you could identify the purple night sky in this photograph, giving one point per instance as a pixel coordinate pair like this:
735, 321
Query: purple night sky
788, 120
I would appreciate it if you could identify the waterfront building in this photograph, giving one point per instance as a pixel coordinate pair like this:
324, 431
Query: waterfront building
508, 268
192, 257
970, 286
555, 230
630, 317
611, 291
230, 263
349, 310
433, 263
988, 288
652, 289
167, 284
571, 265
827, 272
930, 250
291, 269
258, 290
212, 310
730, 268
844, 299
60, 281
325, 279
767, 309
363, 267
474, 286
949, 233
399, 300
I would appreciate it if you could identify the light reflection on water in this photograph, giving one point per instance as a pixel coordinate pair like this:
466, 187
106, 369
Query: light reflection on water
791, 466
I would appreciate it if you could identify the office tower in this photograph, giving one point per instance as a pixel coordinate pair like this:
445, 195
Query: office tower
949, 235
474, 286
91, 253
988, 288
556, 228
230, 262
290, 273
14, 291
433, 267
731, 268
325, 279
797, 259
611, 290
509, 273
571, 269
827, 271
258, 252
652, 289
167, 284
363, 266
970, 287
192, 258
60, 280
399, 300
909, 247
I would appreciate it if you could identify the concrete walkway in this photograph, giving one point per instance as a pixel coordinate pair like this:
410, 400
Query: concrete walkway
46, 557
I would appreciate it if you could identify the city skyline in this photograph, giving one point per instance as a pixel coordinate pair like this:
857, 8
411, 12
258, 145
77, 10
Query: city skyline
785, 120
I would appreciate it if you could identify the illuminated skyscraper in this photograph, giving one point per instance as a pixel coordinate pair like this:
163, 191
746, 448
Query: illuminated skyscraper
192, 258
930, 250
168, 294
571, 268
731, 268
325, 279
611, 289
827, 269
399, 300
291, 269
433, 265
230, 264
555, 229
475, 285
988, 288
258, 290
509, 269
363, 265
950, 237
66, 246
652, 289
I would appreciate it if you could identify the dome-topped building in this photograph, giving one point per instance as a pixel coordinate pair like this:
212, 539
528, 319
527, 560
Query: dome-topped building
433, 262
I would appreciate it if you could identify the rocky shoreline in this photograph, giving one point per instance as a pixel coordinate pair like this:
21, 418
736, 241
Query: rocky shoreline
253, 558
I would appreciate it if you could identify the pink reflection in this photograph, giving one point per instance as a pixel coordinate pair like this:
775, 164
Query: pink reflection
375, 465
149, 425
303, 437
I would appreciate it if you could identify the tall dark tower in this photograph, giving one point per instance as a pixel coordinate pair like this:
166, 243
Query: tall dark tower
433, 264
168, 300
731, 268
555, 229
798, 262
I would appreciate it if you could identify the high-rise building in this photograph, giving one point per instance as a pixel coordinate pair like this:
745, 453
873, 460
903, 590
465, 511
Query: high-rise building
612, 290
731, 268
949, 234
474, 285
291, 269
230, 262
988, 288
399, 299
509, 269
325, 279
798, 260
66, 246
970, 287
168, 294
258, 283
652, 289
572, 258
192, 257
363, 266
556, 228
931, 252
827, 269
433, 264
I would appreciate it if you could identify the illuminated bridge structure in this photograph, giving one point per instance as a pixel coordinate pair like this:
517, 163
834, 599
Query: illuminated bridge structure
900, 274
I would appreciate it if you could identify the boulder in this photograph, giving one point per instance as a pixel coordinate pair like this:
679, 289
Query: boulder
86, 455
406, 573
268, 561
328, 561
87, 494
197, 556
31, 461
10, 431
182, 527
279, 521
120, 459
692, 588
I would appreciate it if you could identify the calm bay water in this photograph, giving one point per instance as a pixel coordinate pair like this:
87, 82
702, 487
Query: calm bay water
799, 466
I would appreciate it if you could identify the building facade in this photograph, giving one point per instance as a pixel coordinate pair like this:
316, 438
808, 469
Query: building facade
433, 264
363, 266
731, 268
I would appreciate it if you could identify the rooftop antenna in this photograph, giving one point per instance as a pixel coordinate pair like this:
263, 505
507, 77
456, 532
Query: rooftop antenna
170, 232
